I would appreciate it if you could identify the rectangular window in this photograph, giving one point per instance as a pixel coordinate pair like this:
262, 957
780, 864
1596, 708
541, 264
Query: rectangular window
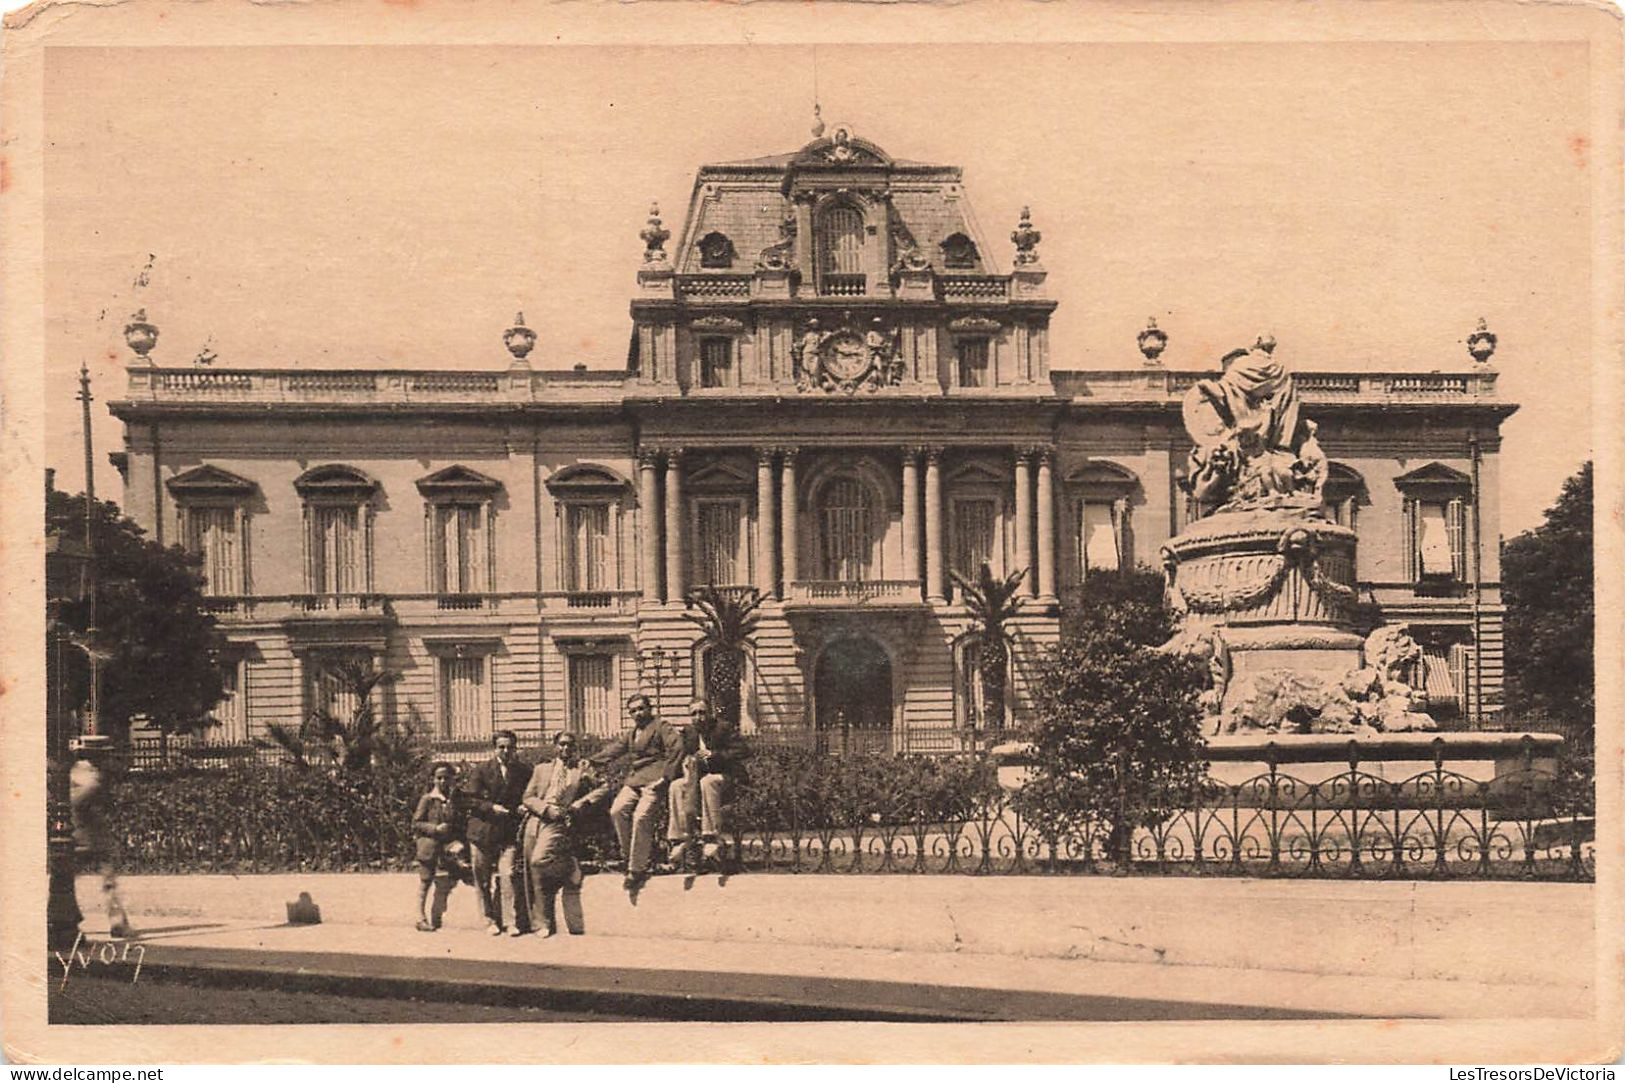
229, 714
720, 532
1433, 540
973, 358
586, 547
1436, 537
328, 690
460, 549
212, 533
1438, 680
716, 361
592, 693
335, 550
463, 700
975, 528
1099, 537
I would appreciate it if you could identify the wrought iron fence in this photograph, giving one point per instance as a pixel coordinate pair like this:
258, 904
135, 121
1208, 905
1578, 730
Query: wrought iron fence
911, 815
1438, 824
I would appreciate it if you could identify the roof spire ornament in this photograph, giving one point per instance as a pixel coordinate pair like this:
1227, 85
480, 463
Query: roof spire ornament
140, 335
1153, 340
1026, 239
519, 339
654, 237
1481, 343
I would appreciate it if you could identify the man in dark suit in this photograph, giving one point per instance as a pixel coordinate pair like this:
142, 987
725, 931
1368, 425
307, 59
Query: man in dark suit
713, 767
654, 755
493, 795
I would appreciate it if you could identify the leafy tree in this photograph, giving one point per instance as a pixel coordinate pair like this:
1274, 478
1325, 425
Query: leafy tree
727, 618
1117, 740
156, 640
1132, 604
992, 604
1547, 582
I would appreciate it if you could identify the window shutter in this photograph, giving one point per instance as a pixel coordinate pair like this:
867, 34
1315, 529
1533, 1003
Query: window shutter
475, 521
1455, 524
1413, 567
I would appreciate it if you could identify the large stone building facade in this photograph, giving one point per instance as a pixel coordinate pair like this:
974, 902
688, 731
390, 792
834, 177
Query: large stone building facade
832, 394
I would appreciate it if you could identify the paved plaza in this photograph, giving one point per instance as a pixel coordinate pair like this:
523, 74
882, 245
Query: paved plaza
1014, 948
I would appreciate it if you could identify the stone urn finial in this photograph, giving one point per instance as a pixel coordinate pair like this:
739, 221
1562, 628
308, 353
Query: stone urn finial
654, 237
519, 339
1481, 343
140, 335
1153, 340
1026, 239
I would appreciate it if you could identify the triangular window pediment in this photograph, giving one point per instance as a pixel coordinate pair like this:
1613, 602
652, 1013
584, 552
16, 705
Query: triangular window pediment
1434, 474
721, 474
209, 481
978, 473
456, 481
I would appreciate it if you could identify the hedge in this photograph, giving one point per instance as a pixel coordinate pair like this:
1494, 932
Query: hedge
263, 818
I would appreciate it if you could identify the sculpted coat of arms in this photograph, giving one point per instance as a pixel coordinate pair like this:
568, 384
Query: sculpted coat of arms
845, 359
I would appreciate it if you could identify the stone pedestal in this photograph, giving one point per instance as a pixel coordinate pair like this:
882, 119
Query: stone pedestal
1276, 583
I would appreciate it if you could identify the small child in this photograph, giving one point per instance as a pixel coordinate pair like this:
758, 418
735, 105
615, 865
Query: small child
438, 847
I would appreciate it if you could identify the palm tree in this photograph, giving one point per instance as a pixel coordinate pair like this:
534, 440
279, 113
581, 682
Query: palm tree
727, 618
992, 604
349, 743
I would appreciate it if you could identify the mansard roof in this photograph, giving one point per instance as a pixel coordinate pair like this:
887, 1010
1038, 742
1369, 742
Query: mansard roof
748, 201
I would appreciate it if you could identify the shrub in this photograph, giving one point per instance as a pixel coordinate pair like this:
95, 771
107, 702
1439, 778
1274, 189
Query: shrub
1117, 741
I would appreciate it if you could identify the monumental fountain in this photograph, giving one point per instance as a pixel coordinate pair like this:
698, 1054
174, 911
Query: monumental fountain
1263, 582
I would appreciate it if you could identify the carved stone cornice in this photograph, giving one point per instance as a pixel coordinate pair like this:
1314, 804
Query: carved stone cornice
717, 325
976, 325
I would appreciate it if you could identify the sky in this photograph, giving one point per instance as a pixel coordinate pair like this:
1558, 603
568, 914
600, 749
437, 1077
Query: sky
361, 207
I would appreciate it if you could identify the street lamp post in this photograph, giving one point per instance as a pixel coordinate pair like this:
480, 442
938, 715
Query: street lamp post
65, 567
656, 663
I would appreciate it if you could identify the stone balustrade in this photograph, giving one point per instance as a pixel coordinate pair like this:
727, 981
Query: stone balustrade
458, 387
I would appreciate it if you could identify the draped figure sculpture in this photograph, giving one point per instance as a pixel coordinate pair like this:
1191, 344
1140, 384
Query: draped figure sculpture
1253, 449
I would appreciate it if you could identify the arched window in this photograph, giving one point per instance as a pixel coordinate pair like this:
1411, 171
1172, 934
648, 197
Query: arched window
846, 529
839, 247
958, 252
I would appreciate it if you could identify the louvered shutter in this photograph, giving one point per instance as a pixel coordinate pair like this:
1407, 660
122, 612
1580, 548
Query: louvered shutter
1456, 529
1413, 566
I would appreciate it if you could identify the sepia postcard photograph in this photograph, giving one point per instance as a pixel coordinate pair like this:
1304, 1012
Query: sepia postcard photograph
811, 533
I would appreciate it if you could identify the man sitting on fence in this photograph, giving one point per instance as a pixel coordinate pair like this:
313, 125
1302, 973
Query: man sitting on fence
655, 752
492, 796
558, 791
713, 765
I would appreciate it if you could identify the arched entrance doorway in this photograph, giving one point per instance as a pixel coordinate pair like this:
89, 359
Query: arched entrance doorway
852, 696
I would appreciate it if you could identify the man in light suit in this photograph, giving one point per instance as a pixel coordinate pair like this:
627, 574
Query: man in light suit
558, 792
492, 796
